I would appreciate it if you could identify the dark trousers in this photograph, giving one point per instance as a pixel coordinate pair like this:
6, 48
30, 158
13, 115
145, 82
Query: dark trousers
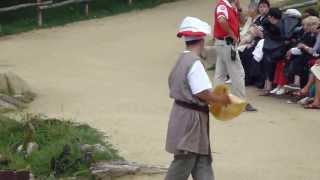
298, 65
199, 166
252, 69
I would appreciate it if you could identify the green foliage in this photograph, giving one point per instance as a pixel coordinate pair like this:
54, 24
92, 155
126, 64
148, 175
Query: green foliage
52, 135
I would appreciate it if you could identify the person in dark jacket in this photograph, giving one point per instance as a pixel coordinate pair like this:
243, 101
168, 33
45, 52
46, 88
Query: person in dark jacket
272, 47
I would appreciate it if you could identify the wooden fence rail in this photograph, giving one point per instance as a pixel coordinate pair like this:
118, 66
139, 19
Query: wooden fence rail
300, 5
21, 6
43, 5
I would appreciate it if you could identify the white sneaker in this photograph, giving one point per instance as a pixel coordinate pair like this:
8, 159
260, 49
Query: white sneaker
281, 91
274, 91
304, 101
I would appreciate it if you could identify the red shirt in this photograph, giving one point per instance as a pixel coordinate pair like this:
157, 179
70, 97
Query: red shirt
225, 9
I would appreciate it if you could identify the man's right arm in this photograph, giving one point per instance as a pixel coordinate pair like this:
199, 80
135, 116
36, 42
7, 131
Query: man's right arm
222, 15
226, 27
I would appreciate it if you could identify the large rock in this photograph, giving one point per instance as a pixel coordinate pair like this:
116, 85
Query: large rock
14, 92
19, 88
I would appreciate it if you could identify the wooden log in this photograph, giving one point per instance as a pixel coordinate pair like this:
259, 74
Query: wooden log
63, 3
300, 5
20, 6
112, 169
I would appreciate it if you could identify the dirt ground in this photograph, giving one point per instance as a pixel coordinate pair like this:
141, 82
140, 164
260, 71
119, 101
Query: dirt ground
112, 73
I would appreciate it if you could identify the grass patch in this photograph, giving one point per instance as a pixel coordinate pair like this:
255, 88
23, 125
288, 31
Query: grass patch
26, 19
54, 138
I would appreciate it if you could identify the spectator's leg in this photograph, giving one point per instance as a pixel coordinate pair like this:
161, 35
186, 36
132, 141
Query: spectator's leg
304, 77
297, 80
306, 88
317, 97
316, 102
268, 68
296, 69
260, 77
276, 79
246, 63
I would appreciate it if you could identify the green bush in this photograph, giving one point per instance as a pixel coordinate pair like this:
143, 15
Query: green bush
52, 136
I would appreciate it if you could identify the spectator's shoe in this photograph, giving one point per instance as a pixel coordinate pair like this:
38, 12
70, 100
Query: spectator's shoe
292, 87
265, 93
228, 81
312, 106
274, 91
250, 108
305, 101
281, 92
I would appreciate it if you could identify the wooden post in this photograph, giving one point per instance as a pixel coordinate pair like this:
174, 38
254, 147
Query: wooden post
86, 8
40, 20
130, 2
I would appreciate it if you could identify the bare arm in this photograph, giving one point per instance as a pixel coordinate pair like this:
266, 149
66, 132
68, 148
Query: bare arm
226, 27
210, 98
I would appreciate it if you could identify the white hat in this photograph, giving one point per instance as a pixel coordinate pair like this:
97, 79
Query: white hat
193, 28
293, 12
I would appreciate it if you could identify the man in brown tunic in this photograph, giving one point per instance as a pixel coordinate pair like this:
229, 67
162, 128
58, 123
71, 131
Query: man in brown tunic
188, 128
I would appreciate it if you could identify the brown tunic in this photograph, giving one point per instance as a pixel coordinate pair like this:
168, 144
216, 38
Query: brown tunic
188, 129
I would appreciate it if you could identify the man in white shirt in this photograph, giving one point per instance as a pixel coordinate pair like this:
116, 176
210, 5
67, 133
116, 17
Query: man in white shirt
188, 128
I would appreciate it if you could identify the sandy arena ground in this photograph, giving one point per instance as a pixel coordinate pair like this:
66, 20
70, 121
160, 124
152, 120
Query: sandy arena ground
112, 73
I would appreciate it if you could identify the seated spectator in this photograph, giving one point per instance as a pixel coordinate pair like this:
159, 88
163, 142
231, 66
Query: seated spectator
255, 31
315, 51
272, 47
249, 41
316, 102
290, 21
300, 56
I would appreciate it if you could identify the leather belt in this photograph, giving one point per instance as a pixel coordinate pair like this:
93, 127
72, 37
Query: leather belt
220, 38
192, 106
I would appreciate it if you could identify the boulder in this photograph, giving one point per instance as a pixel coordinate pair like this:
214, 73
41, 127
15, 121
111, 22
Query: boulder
14, 92
19, 88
